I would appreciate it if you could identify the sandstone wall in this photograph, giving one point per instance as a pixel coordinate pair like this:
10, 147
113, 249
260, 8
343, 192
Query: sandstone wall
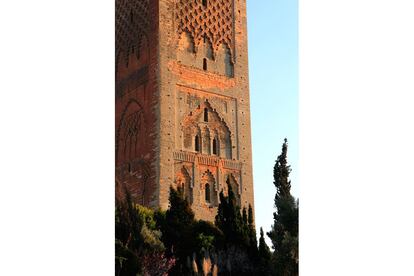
204, 67
136, 100
182, 101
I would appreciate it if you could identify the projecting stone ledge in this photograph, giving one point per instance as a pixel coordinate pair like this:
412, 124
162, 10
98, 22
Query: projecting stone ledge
208, 160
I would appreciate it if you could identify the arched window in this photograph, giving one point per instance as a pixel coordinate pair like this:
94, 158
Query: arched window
204, 64
207, 190
182, 189
204, 3
197, 143
214, 146
205, 115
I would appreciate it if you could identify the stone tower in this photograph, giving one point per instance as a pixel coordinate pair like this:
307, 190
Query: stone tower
182, 102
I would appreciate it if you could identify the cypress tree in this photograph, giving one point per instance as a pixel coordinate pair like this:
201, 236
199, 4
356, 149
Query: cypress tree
245, 220
264, 254
178, 234
250, 216
284, 233
229, 218
235, 253
252, 233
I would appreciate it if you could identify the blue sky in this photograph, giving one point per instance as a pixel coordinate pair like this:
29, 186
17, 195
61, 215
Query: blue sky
273, 69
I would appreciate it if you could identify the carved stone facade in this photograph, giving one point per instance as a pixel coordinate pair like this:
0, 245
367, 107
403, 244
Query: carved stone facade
136, 86
182, 102
207, 21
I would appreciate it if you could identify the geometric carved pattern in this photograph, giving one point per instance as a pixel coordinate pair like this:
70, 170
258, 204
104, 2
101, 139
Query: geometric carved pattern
131, 25
195, 117
213, 21
129, 133
208, 177
134, 178
132, 127
214, 129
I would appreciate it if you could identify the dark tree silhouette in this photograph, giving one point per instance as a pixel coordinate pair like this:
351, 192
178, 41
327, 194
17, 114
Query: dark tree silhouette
284, 233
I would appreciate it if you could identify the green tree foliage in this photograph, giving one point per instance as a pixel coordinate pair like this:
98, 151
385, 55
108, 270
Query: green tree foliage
184, 236
229, 219
178, 231
173, 242
208, 236
244, 215
284, 233
264, 256
238, 253
136, 240
251, 231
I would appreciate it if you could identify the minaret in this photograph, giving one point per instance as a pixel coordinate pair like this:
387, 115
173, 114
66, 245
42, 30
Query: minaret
182, 102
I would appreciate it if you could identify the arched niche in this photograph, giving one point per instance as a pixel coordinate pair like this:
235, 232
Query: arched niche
208, 189
186, 49
235, 187
214, 128
224, 62
205, 137
183, 184
208, 49
129, 134
198, 54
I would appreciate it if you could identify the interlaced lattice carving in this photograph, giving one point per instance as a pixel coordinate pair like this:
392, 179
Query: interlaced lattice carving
131, 26
213, 21
132, 128
133, 124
